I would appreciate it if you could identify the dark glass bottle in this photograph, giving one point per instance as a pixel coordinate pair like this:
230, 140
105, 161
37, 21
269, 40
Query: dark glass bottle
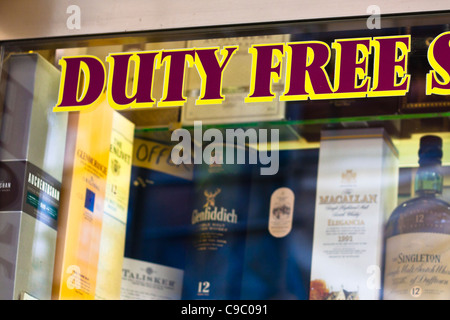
417, 252
214, 262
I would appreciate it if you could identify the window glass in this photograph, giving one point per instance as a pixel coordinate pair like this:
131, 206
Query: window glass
252, 162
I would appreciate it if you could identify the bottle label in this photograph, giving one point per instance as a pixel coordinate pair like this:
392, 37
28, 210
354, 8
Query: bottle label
281, 212
142, 280
417, 267
213, 222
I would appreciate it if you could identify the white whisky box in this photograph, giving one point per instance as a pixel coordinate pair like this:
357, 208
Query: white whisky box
114, 221
356, 192
142, 280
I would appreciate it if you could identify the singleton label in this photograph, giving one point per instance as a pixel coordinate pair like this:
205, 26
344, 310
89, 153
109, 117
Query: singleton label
418, 267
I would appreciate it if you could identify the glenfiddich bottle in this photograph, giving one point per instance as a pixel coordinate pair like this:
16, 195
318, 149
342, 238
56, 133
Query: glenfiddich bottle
417, 261
214, 262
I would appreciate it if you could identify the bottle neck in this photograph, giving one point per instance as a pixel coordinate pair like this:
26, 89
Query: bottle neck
429, 180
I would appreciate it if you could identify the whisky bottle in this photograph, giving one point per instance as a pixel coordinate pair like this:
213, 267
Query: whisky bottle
214, 262
417, 252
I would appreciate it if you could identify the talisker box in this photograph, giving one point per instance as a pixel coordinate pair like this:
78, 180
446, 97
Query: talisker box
356, 191
158, 224
32, 142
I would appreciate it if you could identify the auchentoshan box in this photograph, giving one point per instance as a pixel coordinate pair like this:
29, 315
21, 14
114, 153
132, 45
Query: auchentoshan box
32, 143
356, 192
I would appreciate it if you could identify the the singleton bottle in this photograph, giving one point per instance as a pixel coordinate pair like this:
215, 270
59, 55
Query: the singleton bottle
417, 261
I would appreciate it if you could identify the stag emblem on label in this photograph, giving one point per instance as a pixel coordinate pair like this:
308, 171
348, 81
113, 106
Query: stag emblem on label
211, 198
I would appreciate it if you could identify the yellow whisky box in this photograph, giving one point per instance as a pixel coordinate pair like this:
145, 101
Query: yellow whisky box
82, 202
112, 242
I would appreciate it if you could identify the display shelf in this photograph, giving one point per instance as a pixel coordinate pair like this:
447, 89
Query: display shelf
405, 130
355, 119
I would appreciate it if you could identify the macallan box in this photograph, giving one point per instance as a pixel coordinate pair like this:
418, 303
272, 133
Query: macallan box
356, 191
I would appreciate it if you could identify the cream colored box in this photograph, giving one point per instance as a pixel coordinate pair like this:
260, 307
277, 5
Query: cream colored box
356, 191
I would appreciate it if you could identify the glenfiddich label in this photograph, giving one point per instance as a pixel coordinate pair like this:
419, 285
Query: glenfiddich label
212, 222
215, 252
214, 214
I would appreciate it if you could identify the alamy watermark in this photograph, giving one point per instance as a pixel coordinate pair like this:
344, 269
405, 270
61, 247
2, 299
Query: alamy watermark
374, 20
234, 145
74, 20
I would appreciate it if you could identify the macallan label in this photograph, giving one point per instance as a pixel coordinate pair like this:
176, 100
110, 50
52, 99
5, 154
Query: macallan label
281, 212
418, 267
